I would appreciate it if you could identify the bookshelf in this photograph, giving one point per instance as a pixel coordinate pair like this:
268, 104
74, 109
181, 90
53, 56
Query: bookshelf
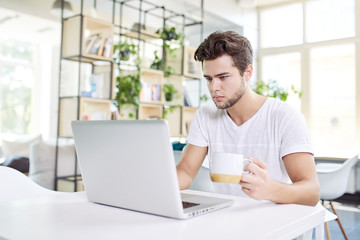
152, 83
86, 82
192, 69
88, 92
87, 38
187, 116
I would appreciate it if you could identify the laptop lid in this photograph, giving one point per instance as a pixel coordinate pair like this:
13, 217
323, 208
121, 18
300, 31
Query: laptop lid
129, 164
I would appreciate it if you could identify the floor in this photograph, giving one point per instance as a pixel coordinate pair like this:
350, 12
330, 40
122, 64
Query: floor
348, 209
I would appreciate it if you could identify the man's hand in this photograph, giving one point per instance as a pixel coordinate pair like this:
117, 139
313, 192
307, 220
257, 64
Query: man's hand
258, 183
301, 170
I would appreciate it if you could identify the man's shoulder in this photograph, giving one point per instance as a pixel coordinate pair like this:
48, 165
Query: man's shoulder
280, 107
281, 111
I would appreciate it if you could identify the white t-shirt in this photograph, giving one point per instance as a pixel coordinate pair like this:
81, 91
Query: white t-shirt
274, 131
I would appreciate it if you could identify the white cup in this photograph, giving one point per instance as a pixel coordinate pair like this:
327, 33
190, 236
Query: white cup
227, 167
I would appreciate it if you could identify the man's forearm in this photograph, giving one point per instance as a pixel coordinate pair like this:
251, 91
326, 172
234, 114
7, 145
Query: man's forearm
303, 192
184, 178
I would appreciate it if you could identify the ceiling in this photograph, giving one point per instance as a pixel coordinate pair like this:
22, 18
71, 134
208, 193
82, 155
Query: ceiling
32, 19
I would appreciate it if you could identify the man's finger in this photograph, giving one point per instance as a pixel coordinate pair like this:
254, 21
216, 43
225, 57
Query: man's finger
258, 162
248, 178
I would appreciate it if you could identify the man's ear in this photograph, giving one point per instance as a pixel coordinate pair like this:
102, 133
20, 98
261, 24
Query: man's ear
248, 72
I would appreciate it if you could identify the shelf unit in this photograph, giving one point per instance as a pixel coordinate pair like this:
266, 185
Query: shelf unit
87, 45
152, 100
90, 41
79, 46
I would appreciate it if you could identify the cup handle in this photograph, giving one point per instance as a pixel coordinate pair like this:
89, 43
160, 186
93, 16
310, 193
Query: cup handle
246, 162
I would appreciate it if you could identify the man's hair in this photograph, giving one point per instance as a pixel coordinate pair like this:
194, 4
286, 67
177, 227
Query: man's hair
230, 43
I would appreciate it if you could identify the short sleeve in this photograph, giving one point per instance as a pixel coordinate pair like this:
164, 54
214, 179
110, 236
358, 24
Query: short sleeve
295, 134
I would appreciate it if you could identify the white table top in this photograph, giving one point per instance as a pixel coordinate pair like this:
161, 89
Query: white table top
70, 216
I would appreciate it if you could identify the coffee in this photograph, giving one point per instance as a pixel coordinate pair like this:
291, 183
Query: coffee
227, 167
225, 178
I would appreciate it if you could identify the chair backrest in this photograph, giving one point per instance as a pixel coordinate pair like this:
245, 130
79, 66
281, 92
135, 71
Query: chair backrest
15, 185
202, 181
333, 181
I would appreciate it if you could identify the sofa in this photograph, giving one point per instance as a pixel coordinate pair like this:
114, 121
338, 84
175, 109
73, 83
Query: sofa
18, 150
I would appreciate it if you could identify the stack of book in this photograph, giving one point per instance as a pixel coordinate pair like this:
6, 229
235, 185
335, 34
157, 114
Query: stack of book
98, 45
150, 92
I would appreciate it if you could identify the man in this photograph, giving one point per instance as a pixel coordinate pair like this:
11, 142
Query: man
270, 132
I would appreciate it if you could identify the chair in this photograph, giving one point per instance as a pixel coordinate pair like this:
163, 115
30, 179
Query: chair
202, 181
15, 185
333, 179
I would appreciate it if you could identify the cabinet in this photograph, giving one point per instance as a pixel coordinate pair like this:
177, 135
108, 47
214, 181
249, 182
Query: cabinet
86, 82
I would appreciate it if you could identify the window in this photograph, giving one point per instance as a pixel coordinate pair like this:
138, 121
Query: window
29, 49
281, 26
329, 19
332, 110
285, 69
323, 64
16, 85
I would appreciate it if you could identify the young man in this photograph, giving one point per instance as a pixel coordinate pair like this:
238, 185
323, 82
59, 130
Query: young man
266, 130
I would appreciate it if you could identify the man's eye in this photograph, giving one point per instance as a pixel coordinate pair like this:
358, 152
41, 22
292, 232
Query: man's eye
208, 79
223, 77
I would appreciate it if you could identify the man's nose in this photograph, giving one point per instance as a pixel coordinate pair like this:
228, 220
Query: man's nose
215, 85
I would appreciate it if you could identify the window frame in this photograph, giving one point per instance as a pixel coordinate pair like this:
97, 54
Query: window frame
304, 51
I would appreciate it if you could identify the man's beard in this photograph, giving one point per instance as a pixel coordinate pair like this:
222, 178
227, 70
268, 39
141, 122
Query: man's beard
234, 98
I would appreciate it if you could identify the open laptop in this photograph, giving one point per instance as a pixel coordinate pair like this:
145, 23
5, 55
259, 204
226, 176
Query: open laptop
130, 164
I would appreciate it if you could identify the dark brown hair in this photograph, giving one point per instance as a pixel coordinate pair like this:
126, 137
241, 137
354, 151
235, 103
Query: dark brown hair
230, 43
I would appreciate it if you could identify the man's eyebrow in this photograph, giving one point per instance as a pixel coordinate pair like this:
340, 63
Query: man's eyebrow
217, 75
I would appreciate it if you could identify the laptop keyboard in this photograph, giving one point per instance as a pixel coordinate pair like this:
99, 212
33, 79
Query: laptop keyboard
189, 204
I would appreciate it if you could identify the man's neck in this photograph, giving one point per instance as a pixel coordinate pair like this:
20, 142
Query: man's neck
246, 107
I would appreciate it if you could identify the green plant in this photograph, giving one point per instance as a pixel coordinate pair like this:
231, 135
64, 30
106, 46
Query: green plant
157, 62
169, 91
172, 40
123, 50
168, 109
169, 33
273, 89
204, 98
128, 90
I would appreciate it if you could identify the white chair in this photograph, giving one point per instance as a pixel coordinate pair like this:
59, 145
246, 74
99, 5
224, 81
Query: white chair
333, 179
15, 185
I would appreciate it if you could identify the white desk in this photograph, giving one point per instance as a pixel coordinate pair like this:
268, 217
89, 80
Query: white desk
71, 216
28, 211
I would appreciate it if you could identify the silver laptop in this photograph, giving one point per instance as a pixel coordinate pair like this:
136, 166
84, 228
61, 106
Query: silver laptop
130, 164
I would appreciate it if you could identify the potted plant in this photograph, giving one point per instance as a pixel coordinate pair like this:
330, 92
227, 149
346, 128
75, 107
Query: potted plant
123, 50
168, 109
157, 62
172, 40
273, 89
169, 33
169, 92
128, 89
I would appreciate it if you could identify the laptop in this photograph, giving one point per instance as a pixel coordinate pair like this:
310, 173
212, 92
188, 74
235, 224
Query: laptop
130, 164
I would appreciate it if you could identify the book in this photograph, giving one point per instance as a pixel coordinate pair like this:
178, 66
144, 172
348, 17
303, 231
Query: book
101, 47
107, 48
96, 46
89, 43
187, 100
150, 92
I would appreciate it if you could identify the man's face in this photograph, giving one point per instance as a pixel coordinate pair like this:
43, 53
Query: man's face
225, 83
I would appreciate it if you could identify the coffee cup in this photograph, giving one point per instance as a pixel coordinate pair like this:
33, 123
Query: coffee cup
227, 167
